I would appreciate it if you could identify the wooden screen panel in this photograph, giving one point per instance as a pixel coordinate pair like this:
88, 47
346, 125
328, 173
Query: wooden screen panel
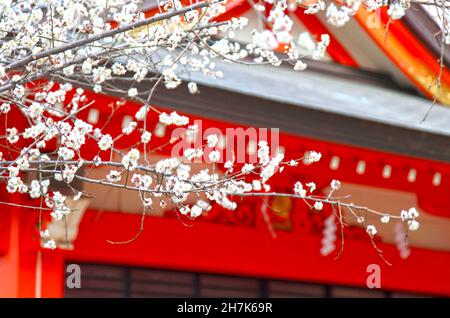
277, 289
159, 283
407, 295
227, 287
349, 292
99, 281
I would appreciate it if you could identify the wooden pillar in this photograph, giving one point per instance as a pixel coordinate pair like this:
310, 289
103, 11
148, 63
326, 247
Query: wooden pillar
25, 269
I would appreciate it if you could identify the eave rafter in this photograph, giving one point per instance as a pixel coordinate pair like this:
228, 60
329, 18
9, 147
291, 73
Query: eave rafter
336, 50
408, 53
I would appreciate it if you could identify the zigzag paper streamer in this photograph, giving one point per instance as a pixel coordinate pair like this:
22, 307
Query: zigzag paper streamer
401, 241
329, 236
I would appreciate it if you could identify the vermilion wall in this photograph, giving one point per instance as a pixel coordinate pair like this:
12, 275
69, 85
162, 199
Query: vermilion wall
217, 248
241, 250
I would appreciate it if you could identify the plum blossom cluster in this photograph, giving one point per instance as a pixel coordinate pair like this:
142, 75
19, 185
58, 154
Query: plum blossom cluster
338, 13
49, 50
169, 181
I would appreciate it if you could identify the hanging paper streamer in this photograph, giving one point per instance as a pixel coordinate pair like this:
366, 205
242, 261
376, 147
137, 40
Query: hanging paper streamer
329, 236
401, 241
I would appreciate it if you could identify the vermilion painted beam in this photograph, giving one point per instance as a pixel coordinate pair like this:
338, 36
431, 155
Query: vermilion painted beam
433, 198
408, 53
335, 49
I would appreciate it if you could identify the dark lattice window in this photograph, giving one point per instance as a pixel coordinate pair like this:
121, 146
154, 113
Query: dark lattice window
121, 281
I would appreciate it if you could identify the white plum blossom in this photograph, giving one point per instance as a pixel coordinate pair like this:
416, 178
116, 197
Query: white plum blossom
105, 142
265, 40
318, 206
13, 136
118, 69
38, 188
316, 7
196, 211
86, 67
129, 128
97, 161
374, 4
23, 163
19, 92
50, 244
256, 185
165, 119
184, 210
69, 173
212, 140
45, 234
146, 136
36, 109
312, 186
35, 189
34, 131
321, 47
413, 225
130, 160
113, 176
189, 153
173, 119
228, 165
97, 88
263, 152
300, 66
247, 168
132, 92
183, 171
140, 74
404, 215
5, 108
140, 114
193, 89
338, 16
66, 153
148, 202
214, 156
312, 157
396, 11
142, 181
167, 165
335, 185
371, 230
412, 213
101, 74
299, 190
205, 206
385, 219
59, 207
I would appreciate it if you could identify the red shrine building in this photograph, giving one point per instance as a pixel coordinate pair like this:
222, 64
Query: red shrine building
361, 108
